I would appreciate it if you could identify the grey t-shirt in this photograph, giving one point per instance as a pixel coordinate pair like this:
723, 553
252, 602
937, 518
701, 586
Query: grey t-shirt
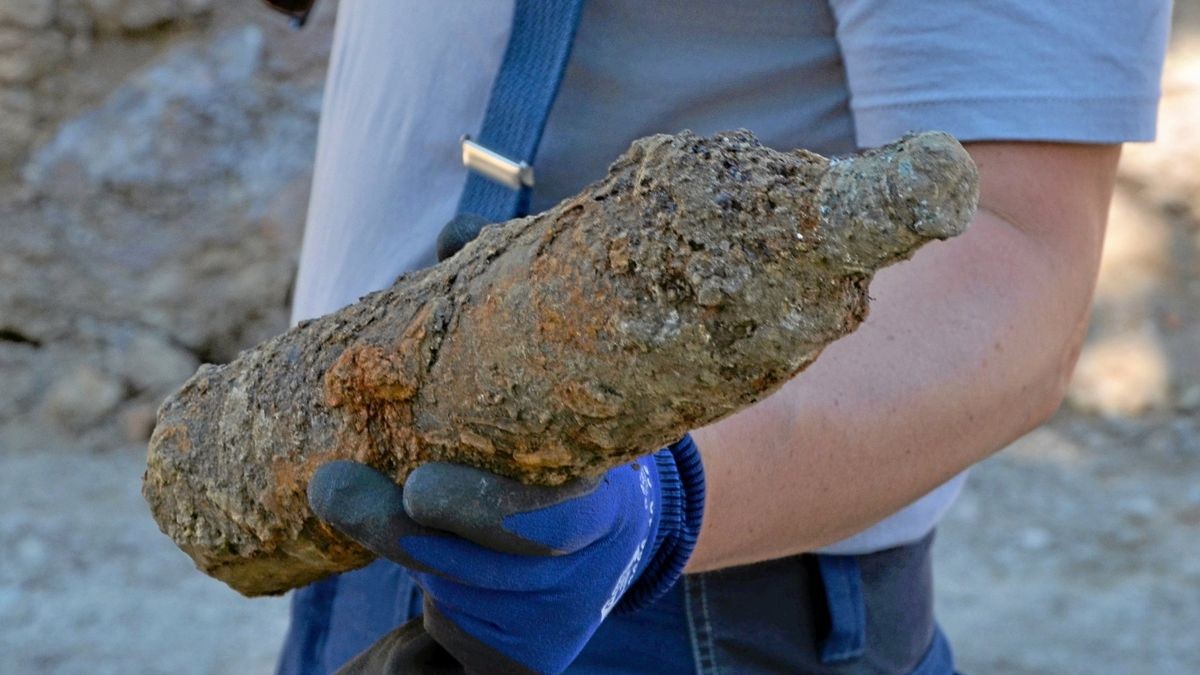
408, 78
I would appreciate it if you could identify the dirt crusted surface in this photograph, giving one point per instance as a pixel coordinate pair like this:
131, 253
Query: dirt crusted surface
714, 270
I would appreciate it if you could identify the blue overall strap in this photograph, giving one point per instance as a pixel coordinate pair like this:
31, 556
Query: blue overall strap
842, 579
524, 90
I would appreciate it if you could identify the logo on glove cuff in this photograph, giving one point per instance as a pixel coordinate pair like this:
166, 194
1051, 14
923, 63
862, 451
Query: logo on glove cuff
626, 578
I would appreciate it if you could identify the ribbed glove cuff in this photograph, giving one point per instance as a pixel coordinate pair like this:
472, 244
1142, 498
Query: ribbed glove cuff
681, 486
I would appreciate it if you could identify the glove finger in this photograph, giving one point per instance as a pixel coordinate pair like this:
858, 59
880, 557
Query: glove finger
477, 505
458, 233
367, 506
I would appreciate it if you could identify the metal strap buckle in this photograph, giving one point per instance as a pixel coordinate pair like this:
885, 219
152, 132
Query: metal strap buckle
495, 166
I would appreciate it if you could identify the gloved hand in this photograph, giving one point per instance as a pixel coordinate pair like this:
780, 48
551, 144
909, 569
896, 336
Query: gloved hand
517, 578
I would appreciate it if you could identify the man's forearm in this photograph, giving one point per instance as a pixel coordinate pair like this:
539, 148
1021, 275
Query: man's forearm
967, 347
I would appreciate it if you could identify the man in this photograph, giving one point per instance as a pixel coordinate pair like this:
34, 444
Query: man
813, 554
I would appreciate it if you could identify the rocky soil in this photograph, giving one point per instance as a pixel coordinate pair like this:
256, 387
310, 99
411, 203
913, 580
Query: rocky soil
154, 167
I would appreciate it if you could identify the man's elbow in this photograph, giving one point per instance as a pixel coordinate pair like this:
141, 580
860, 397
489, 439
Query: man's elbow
1054, 377
1051, 391
1056, 196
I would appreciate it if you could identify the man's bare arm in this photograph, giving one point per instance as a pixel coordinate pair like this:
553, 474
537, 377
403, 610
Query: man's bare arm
968, 346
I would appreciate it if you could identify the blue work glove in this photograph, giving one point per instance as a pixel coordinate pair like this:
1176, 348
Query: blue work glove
517, 578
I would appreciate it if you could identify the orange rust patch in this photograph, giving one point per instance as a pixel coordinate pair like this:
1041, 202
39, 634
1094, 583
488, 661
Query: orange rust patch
546, 456
173, 436
589, 399
291, 479
558, 290
366, 373
479, 442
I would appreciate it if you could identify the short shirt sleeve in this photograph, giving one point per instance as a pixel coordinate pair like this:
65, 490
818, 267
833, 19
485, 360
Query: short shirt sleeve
1084, 71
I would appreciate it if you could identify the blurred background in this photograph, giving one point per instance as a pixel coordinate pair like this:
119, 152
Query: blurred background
154, 169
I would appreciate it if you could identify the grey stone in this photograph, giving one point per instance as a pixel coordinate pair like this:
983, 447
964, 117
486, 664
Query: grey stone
148, 361
196, 116
18, 362
28, 13
26, 55
211, 161
1035, 538
82, 398
17, 123
137, 422
142, 14
1189, 398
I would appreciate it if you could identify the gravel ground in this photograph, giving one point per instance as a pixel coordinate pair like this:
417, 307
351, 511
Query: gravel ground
1077, 550
89, 585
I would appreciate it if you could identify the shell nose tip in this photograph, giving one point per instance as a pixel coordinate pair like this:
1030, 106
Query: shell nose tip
937, 180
